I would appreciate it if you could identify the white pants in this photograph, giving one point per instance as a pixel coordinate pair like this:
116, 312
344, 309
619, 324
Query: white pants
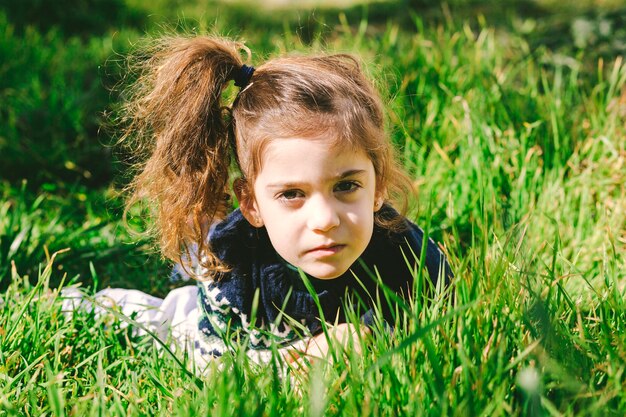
173, 319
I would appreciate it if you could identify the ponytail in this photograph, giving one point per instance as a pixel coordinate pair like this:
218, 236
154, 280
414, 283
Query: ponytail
175, 120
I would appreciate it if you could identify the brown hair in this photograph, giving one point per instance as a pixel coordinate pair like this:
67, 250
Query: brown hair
175, 115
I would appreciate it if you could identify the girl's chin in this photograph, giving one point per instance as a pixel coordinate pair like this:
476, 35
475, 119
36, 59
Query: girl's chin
324, 272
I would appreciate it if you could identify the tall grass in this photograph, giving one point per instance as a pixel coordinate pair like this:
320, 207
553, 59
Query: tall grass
83, 225
518, 156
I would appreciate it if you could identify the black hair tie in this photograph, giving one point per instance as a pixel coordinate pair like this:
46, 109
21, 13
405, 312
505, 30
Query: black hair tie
243, 75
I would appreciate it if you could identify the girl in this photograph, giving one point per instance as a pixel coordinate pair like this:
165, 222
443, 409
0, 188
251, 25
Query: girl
316, 176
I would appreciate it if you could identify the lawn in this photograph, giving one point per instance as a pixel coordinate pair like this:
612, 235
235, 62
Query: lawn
511, 119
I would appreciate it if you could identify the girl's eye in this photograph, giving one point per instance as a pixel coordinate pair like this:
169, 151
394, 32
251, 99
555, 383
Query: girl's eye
290, 195
347, 186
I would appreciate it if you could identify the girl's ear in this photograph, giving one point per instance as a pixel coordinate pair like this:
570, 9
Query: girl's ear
247, 203
379, 199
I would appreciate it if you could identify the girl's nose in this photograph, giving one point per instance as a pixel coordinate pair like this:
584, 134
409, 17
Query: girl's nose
322, 216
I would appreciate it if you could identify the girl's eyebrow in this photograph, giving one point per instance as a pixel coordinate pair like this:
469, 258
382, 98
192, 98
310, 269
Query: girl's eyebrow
343, 175
350, 173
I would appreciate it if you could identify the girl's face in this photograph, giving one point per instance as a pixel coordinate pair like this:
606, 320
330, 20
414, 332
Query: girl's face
317, 203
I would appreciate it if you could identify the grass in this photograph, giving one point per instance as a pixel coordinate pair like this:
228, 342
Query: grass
518, 156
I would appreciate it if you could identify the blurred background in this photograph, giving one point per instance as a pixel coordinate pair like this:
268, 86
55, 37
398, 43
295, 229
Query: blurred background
62, 63
61, 59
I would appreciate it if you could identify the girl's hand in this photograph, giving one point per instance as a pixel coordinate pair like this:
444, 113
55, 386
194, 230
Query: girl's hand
317, 347
345, 335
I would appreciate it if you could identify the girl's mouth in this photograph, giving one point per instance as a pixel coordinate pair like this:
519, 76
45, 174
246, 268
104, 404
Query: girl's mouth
326, 250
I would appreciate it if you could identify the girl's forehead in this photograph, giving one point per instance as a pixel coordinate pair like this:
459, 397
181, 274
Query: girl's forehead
265, 141
297, 154
302, 158
330, 145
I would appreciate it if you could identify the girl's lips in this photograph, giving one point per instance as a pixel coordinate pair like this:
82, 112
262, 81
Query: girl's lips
326, 250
